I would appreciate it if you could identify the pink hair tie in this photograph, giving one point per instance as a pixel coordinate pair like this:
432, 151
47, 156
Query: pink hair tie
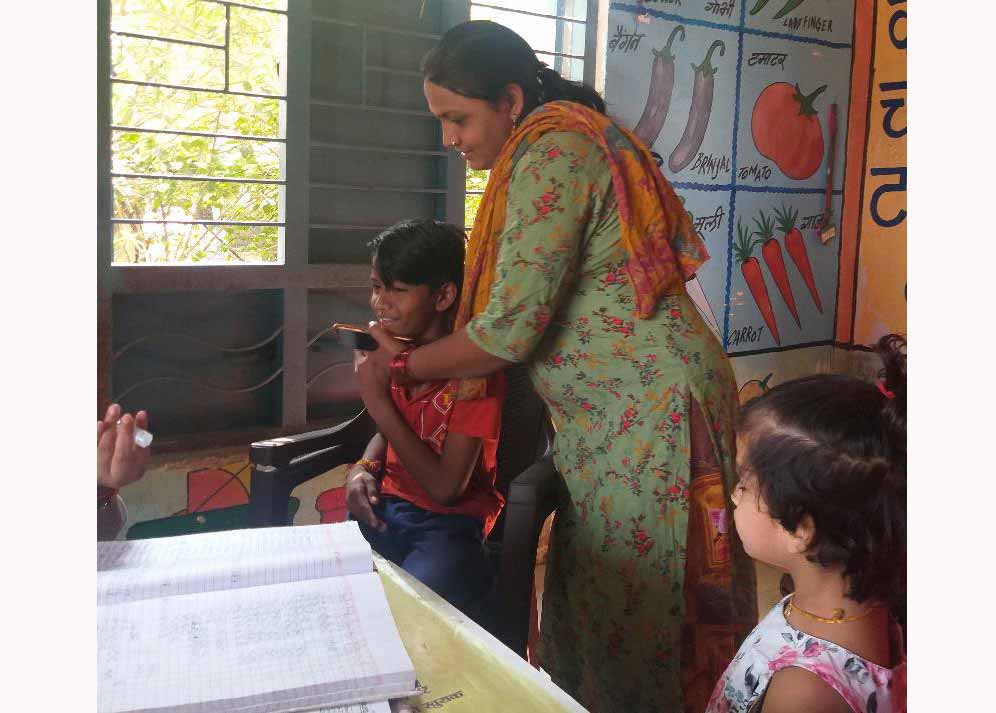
885, 392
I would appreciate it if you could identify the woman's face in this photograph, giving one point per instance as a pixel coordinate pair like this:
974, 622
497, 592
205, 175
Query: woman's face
474, 127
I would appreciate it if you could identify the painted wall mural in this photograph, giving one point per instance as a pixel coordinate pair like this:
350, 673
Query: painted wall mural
873, 265
734, 97
209, 491
744, 105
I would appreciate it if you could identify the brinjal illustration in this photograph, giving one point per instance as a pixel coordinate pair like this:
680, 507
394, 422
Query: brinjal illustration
659, 97
698, 113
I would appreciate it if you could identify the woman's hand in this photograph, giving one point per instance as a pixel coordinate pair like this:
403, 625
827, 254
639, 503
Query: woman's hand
373, 369
390, 347
362, 490
119, 460
375, 383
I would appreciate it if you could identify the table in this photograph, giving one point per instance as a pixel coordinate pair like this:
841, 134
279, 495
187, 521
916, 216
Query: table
460, 665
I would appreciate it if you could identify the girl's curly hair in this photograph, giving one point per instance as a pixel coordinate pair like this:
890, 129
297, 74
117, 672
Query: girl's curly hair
834, 448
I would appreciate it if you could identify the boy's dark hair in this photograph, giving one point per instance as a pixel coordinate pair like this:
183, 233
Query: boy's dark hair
479, 58
834, 448
420, 252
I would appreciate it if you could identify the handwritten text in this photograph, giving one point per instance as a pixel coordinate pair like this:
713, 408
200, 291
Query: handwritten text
708, 165
745, 335
767, 59
624, 41
811, 221
809, 22
755, 172
722, 9
709, 223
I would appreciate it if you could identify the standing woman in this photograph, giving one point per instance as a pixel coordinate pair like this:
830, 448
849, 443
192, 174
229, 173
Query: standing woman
576, 266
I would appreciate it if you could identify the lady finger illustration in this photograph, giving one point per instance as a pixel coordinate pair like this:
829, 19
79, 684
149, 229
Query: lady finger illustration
659, 97
698, 113
787, 8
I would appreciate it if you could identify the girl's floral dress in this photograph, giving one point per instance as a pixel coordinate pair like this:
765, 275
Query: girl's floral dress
775, 644
648, 591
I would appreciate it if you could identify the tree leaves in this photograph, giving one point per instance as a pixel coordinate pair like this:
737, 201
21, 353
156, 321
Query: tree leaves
258, 49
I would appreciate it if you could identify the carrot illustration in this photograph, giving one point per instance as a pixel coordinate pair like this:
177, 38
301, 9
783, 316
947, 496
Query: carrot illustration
659, 97
773, 258
796, 248
751, 269
698, 113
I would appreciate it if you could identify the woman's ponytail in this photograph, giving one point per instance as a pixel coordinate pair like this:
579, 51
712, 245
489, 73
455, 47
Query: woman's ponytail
555, 87
479, 59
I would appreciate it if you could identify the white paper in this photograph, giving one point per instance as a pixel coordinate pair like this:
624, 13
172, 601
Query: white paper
141, 569
283, 647
375, 707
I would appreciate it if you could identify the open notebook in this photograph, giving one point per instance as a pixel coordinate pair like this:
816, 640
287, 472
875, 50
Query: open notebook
250, 621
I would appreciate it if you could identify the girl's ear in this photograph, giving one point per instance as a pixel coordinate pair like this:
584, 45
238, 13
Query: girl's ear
445, 297
802, 538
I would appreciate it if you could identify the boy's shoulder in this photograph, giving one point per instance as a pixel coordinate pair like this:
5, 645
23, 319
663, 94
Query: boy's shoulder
446, 392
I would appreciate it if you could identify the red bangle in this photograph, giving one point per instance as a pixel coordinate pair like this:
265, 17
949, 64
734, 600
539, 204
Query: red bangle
371, 466
399, 367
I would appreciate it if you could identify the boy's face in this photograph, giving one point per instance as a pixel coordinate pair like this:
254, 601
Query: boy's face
414, 311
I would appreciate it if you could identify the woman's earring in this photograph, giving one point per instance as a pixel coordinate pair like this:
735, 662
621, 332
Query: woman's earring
515, 119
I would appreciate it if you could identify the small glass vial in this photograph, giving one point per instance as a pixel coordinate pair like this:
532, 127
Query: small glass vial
143, 439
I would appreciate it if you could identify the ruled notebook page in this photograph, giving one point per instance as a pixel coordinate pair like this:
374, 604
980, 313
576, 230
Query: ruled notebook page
284, 647
167, 566
378, 707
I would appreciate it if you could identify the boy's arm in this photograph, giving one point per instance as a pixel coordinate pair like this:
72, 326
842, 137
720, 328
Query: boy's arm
363, 487
444, 477
376, 450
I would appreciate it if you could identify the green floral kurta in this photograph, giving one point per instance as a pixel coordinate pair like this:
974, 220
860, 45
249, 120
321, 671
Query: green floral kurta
634, 612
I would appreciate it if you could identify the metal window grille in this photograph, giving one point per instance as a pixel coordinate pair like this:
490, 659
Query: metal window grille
185, 89
557, 30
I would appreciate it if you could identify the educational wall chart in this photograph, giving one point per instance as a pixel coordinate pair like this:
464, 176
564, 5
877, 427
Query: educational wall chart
744, 104
880, 298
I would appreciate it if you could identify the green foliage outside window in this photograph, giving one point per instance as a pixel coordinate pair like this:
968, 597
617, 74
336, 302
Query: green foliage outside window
257, 52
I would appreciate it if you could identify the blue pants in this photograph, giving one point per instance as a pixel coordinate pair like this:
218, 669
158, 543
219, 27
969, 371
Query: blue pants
444, 552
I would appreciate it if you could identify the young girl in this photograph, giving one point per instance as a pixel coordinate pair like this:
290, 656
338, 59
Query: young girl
822, 494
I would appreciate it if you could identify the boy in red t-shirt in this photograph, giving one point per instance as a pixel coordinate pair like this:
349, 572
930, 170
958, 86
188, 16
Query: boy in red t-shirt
424, 492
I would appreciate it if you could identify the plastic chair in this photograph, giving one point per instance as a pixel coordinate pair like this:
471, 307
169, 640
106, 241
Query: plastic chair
526, 477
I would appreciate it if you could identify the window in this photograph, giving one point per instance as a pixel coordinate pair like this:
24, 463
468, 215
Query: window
248, 151
198, 131
558, 31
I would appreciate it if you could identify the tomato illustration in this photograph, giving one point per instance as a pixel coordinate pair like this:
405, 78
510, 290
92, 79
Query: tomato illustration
786, 130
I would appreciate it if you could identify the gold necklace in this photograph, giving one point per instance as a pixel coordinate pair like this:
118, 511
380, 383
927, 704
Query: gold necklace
837, 616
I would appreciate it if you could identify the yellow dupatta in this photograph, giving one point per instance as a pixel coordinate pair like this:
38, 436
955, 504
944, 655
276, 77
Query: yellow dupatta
663, 249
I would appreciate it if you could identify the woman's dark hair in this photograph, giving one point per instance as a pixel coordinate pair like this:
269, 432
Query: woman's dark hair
834, 448
479, 58
420, 252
